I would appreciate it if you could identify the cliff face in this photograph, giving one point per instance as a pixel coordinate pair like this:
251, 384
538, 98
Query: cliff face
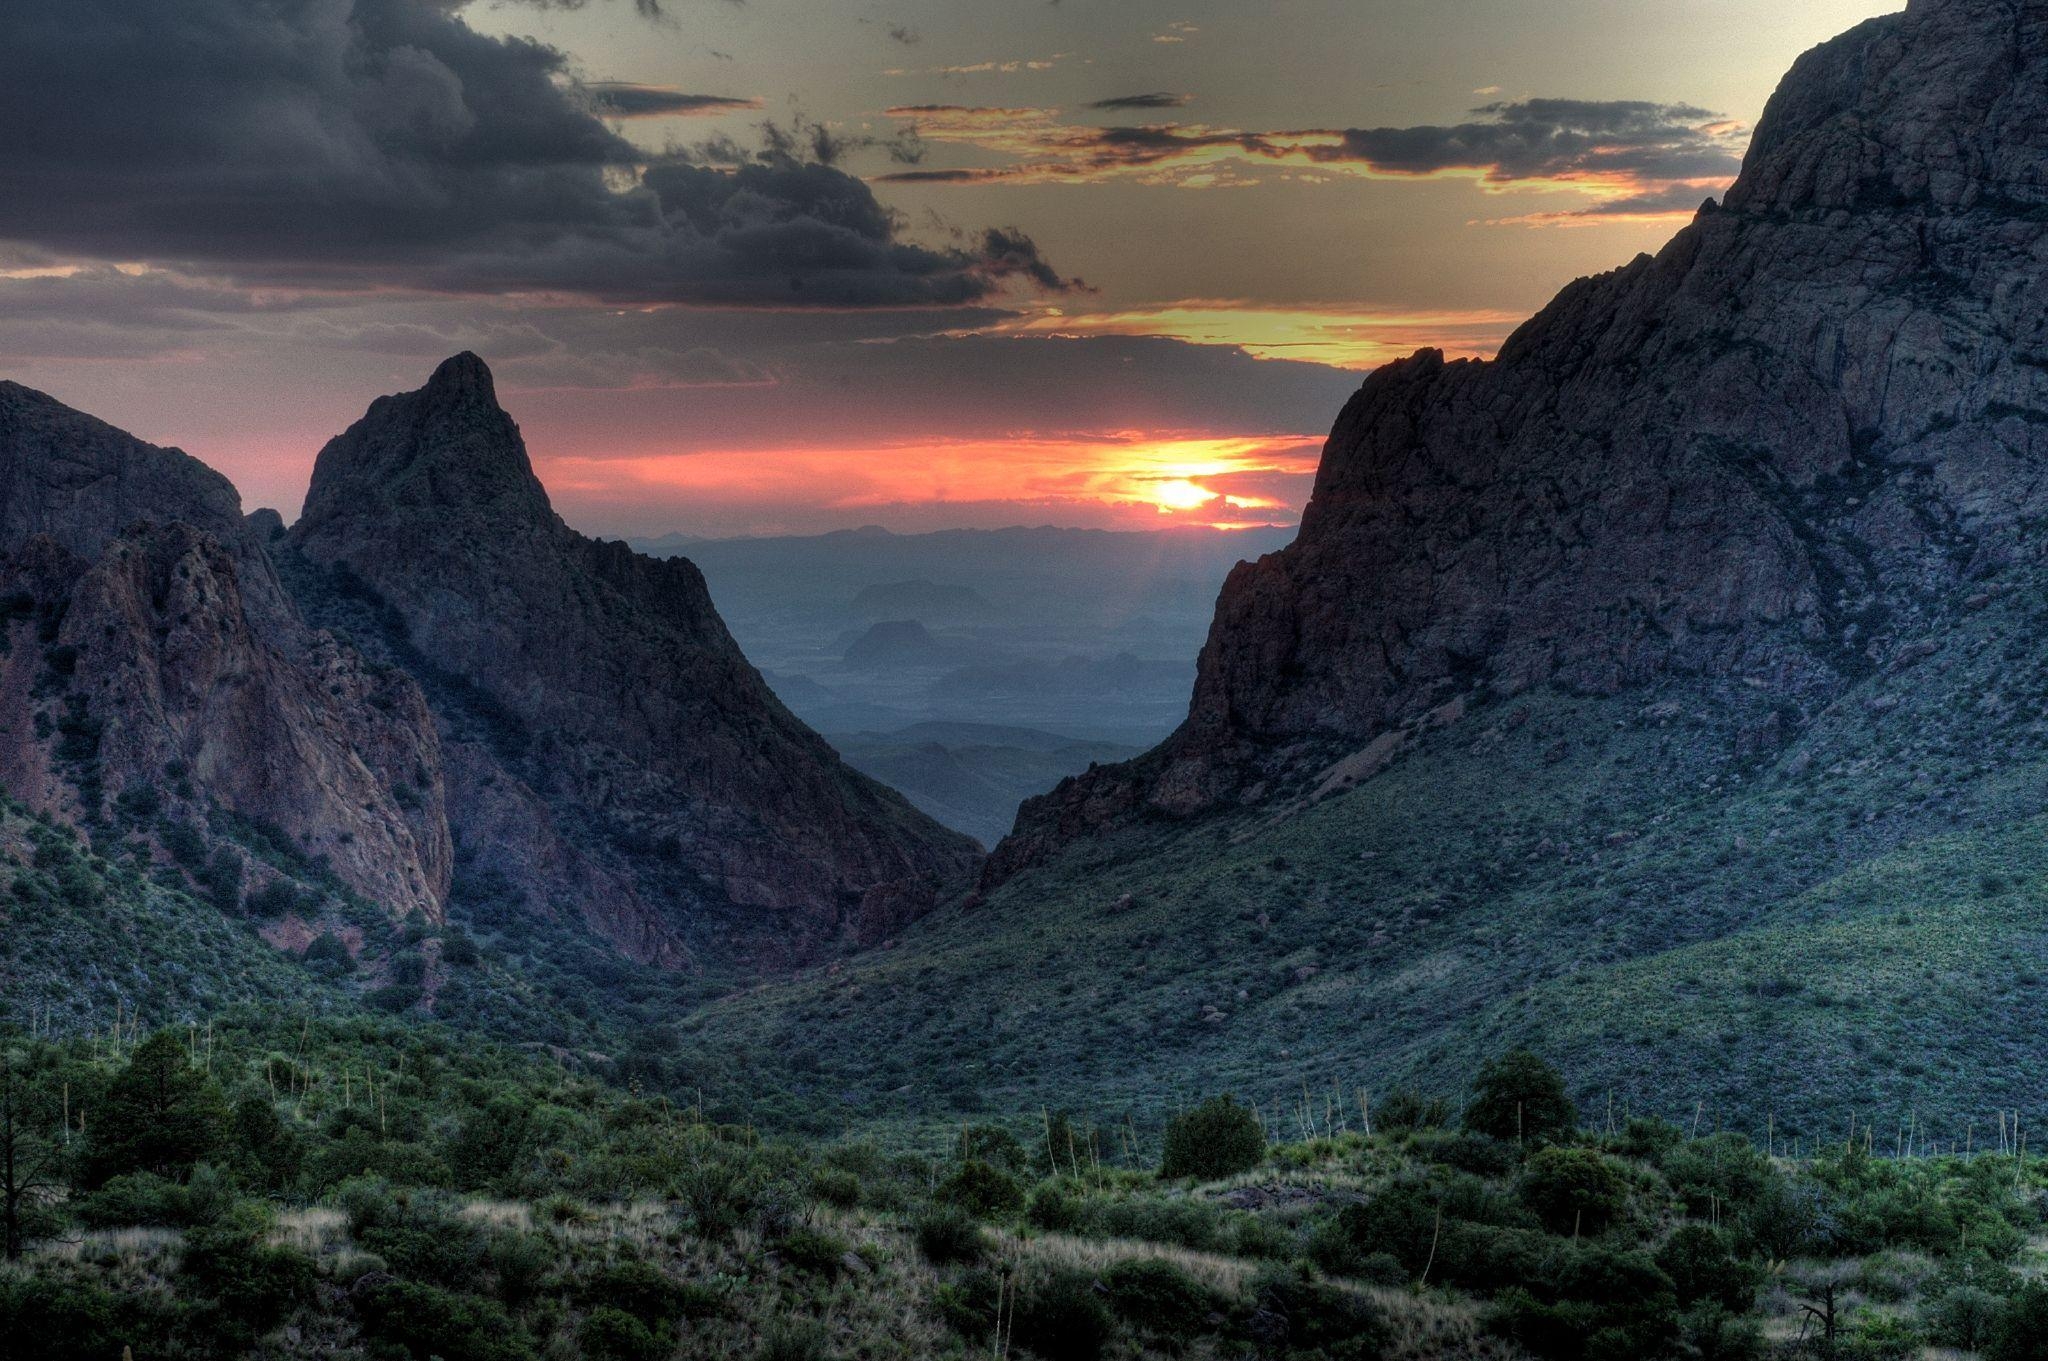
149, 647
1760, 462
629, 725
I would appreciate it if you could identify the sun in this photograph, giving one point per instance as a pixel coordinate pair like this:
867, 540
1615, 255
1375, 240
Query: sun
1181, 494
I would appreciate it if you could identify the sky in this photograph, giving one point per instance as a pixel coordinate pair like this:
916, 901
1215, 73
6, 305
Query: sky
783, 266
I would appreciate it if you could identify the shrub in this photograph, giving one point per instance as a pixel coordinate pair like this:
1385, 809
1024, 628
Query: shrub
947, 1234
1697, 1260
1299, 1316
1406, 1109
423, 1321
140, 1198
813, 1250
249, 1287
639, 1288
1062, 1318
839, 1189
1158, 1297
968, 1305
1965, 1317
521, 1262
1573, 1190
612, 1334
2021, 1332
982, 1190
1709, 1332
1519, 1096
1053, 1210
1218, 1138
794, 1340
46, 1318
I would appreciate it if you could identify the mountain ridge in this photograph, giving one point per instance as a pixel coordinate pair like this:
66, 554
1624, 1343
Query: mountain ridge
1757, 457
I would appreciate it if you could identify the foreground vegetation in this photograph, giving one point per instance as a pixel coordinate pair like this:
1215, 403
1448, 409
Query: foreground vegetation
366, 1188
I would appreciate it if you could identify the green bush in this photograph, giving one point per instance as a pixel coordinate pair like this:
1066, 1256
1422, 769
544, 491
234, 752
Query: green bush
982, 1190
1519, 1096
834, 1187
143, 1198
1218, 1138
947, 1234
1709, 1332
794, 1339
968, 1305
520, 1263
639, 1288
1061, 1317
1158, 1297
46, 1318
813, 1250
1965, 1317
612, 1334
424, 1322
1406, 1109
1053, 1210
1698, 1261
247, 1287
1297, 1316
2021, 1332
1574, 1190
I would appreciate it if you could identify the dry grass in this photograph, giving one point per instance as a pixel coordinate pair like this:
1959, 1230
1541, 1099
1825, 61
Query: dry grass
1225, 1274
131, 1247
498, 1214
317, 1229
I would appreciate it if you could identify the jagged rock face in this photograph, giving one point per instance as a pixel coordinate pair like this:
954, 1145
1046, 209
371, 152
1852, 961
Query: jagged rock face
1759, 460
83, 483
647, 727
146, 669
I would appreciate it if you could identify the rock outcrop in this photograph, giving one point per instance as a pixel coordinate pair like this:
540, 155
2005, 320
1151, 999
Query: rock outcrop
151, 654
635, 768
1758, 462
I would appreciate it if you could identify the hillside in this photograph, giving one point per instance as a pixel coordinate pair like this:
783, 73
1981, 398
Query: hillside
366, 1189
1663, 694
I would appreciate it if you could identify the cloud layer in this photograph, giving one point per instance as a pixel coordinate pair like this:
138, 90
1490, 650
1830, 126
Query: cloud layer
384, 143
1629, 149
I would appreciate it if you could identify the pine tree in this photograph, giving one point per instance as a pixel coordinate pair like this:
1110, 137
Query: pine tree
160, 1115
28, 1153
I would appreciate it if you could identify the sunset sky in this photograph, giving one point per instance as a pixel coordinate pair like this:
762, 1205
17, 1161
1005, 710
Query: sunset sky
790, 265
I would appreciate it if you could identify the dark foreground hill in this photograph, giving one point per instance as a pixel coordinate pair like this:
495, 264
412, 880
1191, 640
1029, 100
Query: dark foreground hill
1666, 693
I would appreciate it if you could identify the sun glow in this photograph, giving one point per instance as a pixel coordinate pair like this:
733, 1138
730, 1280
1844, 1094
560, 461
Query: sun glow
1181, 494
1123, 478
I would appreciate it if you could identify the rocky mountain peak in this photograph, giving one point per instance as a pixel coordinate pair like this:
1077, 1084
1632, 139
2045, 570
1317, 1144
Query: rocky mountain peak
603, 707
1942, 105
446, 449
1757, 465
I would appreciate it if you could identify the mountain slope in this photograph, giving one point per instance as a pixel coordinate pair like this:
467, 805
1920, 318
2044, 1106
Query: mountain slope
683, 807
1762, 456
1666, 693
149, 654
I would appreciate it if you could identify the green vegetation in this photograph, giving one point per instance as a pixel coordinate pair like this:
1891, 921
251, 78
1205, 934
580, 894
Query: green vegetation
380, 1189
1837, 916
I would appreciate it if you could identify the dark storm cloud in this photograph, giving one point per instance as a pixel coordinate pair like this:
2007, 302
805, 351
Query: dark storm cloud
1160, 100
1550, 139
619, 99
359, 143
